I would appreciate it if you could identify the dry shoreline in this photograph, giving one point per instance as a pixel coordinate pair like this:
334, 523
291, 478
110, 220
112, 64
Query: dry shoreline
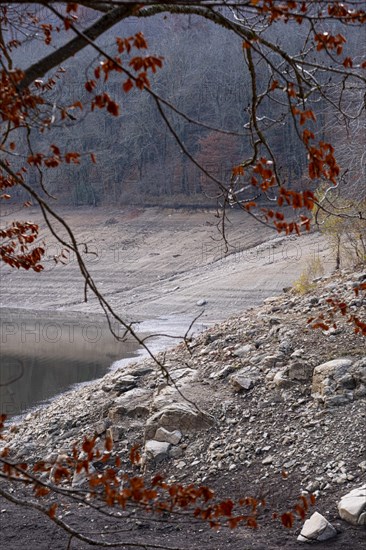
275, 423
160, 268
160, 278
156, 263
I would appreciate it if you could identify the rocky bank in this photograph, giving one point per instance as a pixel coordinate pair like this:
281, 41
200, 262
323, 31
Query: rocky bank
261, 404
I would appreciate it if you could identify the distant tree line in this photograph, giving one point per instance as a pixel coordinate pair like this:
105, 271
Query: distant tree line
138, 160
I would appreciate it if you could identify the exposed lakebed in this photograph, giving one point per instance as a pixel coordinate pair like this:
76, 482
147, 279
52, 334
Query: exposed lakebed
160, 268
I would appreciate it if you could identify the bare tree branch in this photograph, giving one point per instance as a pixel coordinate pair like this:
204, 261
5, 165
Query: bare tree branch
107, 21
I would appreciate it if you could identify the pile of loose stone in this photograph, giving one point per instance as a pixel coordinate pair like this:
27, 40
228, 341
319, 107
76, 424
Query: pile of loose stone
251, 398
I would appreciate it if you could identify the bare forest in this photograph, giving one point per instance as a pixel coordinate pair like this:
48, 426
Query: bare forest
206, 76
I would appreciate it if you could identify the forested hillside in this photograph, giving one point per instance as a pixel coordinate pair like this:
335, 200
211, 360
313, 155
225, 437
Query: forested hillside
205, 76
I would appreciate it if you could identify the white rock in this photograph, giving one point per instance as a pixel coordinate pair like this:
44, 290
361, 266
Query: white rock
165, 397
281, 380
158, 450
134, 403
126, 381
169, 437
178, 374
352, 507
316, 528
271, 299
329, 370
178, 416
362, 519
241, 382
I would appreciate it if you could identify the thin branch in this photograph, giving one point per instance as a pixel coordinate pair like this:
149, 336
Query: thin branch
39, 69
74, 532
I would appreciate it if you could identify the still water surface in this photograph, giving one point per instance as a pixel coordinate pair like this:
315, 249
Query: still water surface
42, 355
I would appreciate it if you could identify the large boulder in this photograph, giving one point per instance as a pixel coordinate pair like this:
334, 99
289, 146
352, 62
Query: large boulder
244, 379
299, 371
168, 437
178, 416
339, 381
352, 507
125, 384
358, 372
133, 404
328, 372
316, 528
166, 396
157, 450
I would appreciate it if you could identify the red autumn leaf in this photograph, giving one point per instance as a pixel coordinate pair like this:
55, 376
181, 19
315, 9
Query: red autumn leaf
88, 445
90, 85
226, 507
139, 41
77, 104
238, 171
71, 6
113, 108
127, 85
343, 308
304, 502
323, 326
52, 511
300, 511
40, 491
252, 523
72, 158
287, 519
35, 160
142, 81
52, 162
234, 522
67, 23
135, 455
108, 445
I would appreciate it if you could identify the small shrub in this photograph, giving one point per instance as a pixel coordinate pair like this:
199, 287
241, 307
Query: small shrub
305, 283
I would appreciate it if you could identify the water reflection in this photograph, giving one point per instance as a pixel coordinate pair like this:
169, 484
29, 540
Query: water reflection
41, 356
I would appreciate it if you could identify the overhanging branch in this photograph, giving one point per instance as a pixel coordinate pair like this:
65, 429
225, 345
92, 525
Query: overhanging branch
107, 21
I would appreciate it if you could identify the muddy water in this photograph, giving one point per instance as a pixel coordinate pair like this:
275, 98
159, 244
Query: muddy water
43, 354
